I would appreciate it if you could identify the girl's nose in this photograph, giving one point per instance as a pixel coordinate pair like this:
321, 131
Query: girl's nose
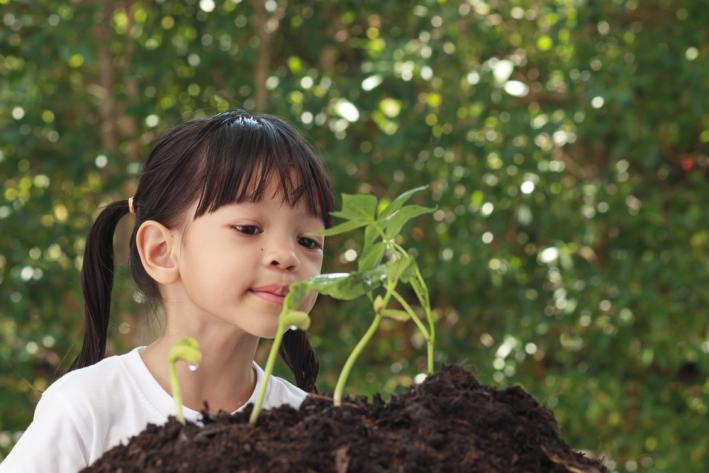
281, 256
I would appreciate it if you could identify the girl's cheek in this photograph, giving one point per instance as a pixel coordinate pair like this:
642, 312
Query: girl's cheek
317, 259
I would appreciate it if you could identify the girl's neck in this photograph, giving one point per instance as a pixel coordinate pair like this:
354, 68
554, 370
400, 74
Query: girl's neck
225, 379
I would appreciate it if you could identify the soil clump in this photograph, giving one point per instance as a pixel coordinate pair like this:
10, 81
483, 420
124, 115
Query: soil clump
448, 423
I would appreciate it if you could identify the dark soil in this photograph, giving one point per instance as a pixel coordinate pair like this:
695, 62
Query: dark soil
448, 423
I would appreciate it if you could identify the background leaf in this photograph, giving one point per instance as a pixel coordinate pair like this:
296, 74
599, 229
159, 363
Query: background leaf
564, 145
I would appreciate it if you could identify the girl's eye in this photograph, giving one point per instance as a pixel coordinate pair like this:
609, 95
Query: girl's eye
309, 243
247, 229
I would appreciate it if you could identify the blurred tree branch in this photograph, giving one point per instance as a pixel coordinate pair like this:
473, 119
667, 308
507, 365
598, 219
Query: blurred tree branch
265, 25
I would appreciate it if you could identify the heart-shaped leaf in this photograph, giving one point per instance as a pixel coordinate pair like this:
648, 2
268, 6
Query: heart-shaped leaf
295, 297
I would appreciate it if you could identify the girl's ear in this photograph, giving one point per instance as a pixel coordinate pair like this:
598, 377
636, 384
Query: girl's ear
156, 246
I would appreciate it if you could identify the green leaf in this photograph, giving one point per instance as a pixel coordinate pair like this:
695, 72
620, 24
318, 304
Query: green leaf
357, 207
371, 257
343, 227
296, 295
396, 314
346, 286
395, 222
370, 234
399, 201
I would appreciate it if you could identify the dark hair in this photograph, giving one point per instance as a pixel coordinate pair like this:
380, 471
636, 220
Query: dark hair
227, 158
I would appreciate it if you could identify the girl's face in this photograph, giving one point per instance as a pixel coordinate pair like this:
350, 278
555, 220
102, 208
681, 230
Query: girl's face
236, 263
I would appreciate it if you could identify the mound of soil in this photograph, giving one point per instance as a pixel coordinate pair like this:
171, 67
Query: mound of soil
448, 423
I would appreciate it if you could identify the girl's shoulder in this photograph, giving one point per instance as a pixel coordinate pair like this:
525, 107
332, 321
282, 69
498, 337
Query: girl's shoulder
81, 396
85, 412
91, 388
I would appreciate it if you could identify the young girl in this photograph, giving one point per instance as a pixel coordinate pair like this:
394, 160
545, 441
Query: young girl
221, 212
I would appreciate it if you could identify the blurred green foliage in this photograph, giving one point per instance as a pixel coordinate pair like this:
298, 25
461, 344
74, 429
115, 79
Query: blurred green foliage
565, 143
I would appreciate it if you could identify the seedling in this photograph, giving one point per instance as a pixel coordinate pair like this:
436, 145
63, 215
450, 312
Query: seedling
187, 349
381, 227
385, 226
289, 319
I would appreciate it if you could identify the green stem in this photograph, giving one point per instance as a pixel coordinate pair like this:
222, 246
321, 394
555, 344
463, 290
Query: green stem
431, 340
399, 247
340, 387
342, 379
176, 393
270, 362
429, 357
186, 349
412, 314
431, 325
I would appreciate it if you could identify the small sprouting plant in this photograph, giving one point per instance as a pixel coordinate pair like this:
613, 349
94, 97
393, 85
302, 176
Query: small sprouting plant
288, 319
381, 227
187, 349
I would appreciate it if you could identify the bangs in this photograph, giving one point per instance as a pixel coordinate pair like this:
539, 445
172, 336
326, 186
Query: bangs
246, 152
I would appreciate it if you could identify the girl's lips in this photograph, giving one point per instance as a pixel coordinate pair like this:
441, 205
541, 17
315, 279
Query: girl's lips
269, 296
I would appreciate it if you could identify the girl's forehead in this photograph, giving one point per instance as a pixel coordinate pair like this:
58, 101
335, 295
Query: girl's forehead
268, 204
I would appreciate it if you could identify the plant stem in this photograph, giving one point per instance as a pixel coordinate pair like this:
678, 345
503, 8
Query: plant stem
340, 387
186, 349
267, 371
342, 379
176, 393
429, 356
431, 325
431, 340
429, 337
412, 314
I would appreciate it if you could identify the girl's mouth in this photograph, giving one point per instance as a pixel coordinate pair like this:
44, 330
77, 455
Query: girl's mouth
269, 296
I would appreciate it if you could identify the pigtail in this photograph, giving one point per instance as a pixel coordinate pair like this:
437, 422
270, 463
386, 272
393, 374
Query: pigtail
300, 358
97, 282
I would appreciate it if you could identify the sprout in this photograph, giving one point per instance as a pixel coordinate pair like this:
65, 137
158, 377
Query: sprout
187, 349
361, 211
287, 320
400, 268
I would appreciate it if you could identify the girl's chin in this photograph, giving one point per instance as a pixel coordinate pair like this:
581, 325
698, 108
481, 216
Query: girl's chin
267, 332
262, 330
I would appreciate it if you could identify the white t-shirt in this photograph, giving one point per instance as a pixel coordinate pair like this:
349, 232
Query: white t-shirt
89, 410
